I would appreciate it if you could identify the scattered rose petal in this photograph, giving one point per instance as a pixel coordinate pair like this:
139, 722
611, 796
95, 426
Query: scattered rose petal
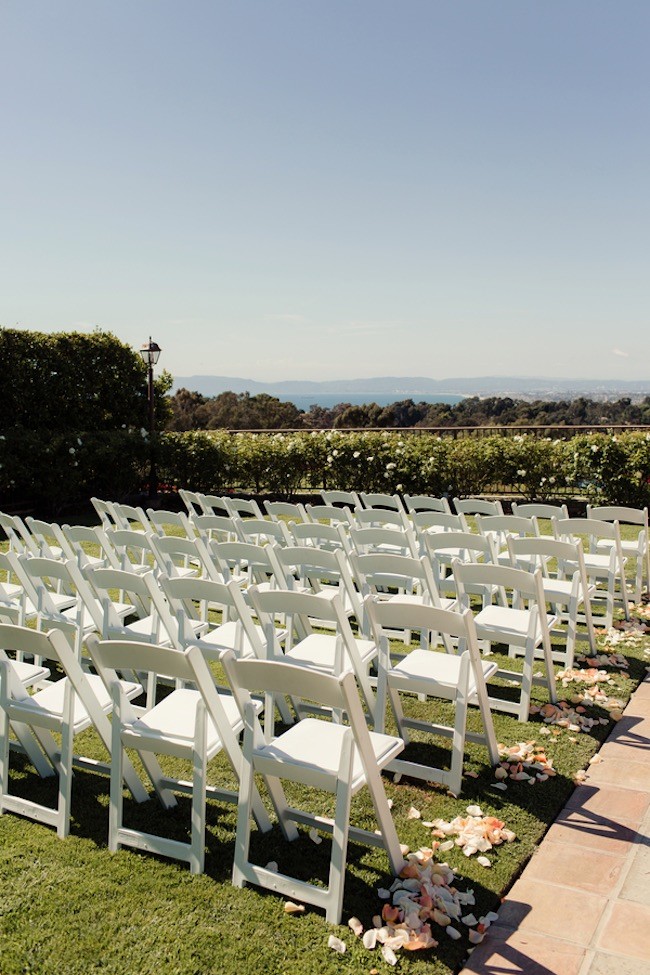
370, 938
272, 866
484, 862
336, 944
314, 837
413, 813
291, 908
389, 955
356, 926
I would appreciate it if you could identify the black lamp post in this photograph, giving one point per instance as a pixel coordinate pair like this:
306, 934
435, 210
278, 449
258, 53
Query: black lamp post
150, 353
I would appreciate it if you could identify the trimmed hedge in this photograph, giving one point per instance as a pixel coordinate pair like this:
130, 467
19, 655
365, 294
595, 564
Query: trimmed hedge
68, 468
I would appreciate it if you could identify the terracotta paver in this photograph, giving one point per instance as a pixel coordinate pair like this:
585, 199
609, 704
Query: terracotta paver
592, 832
624, 805
543, 907
524, 953
637, 881
582, 905
630, 775
627, 930
561, 864
605, 964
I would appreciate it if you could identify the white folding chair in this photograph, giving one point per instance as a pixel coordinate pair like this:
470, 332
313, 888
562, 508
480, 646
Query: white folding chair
127, 515
46, 537
331, 538
291, 621
328, 514
245, 562
460, 679
183, 557
215, 528
346, 499
637, 548
305, 568
192, 723
18, 536
130, 551
389, 502
435, 523
442, 548
75, 620
477, 506
422, 502
106, 513
541, 512
393, 541
242, 508
381, 518
192, 501
522, 624
339, 759
277, 510
170, 523
604, 560
65, 707
566, 587
87, 546
15, 606
262, 531
396, 579
502, 527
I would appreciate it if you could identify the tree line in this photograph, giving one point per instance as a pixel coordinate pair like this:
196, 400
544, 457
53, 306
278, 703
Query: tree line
241, 411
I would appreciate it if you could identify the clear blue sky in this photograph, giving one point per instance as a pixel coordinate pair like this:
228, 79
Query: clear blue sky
318, 189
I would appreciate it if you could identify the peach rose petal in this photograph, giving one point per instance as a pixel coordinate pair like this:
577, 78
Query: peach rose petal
291, 908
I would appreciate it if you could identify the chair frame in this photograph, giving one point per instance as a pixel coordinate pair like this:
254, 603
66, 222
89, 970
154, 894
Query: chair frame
267, 758
460, 679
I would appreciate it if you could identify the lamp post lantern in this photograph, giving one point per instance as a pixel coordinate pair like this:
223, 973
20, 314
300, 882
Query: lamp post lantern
150, 353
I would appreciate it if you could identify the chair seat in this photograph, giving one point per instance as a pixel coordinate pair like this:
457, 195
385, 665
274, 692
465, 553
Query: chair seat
62, 600
227, 637
49, 701
413, 599
175, 718
29, 674
598, 564
559, 590
318, 650
315, 746
505, 624
434, 673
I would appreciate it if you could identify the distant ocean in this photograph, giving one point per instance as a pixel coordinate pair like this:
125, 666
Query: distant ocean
328, 400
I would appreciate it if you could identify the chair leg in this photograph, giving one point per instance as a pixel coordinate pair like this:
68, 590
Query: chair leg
65, 764
340, 835
117, 762
199, 762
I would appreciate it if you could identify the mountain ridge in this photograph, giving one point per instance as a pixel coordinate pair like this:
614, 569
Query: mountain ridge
409, 387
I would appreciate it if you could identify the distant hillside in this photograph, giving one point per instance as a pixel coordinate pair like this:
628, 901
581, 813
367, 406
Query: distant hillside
412, 387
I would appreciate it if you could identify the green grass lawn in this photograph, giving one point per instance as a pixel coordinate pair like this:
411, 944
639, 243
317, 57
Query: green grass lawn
69, 907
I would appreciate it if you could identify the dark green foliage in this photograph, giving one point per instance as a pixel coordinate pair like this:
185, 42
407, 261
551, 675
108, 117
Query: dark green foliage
75, 418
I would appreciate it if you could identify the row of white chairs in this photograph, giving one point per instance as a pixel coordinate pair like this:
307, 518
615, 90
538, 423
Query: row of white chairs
195, 722
352, 506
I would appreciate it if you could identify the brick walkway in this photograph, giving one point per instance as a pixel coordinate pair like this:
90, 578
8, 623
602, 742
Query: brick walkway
582, 905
